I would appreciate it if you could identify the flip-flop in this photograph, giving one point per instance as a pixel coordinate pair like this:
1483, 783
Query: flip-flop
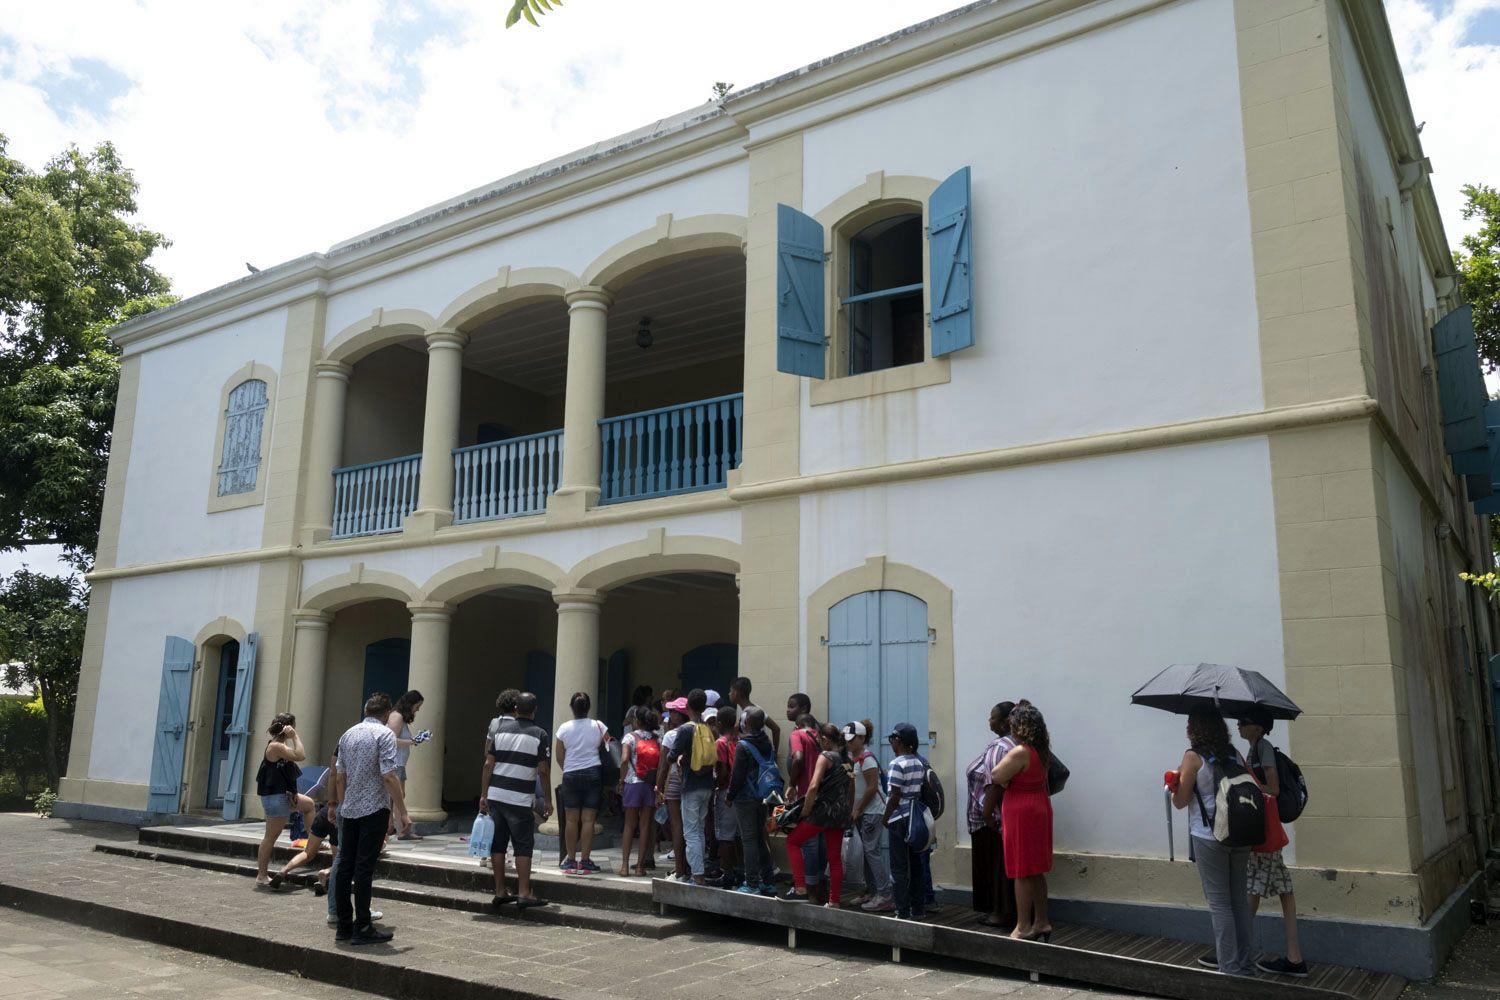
527, 902
275, 882
502, 900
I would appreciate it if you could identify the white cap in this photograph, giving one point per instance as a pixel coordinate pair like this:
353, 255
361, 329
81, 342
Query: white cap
853, 729
712, 696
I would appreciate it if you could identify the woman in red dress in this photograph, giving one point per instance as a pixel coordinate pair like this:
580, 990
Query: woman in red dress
1026, 820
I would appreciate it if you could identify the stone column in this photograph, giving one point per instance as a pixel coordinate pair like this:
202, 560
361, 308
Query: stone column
577, 650
445, 368
309, 663
325, 447
429, 675
588, 311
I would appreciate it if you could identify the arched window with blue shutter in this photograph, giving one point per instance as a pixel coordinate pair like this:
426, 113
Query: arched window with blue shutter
244, 420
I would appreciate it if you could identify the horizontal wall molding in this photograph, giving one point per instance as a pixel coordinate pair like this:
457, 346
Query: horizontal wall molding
1070, 449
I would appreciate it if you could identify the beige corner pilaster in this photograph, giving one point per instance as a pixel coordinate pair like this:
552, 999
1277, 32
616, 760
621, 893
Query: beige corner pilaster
445, 368
309, 664
325, 447
577, 650
1332, 528
430, 625
286, 463
583, 406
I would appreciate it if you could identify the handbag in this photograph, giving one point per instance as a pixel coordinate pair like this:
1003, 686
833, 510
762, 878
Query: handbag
920, 830
1276, 837
1057, 774
609, 772
784, 818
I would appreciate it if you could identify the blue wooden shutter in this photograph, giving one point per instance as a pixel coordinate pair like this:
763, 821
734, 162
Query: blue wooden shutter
243, 424
949, 260
854, 664
1488, 501
903, 662
800, 338
609, 707
165, 794
1461, 391
239, 728
541, 680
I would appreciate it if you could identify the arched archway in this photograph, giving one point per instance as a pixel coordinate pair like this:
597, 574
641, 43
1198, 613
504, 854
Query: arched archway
656, 554
670, 240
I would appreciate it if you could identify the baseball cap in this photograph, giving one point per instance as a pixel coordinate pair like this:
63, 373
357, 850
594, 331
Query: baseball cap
854, 729
680, 705
905, 732
712, 696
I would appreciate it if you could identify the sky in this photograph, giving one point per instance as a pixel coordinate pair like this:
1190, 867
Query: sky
263, 131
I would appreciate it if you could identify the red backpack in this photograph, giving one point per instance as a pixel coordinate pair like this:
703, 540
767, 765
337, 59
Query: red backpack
647, 757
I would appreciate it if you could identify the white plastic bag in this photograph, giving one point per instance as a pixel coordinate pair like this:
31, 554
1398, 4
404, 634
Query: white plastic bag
481, 837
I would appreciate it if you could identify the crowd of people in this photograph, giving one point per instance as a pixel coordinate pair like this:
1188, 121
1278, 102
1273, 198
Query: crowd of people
704, 773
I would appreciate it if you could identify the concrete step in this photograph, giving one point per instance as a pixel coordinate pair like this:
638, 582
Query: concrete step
462, 875
642, 925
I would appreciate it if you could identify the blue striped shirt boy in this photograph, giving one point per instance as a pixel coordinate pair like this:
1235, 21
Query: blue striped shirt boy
906, 774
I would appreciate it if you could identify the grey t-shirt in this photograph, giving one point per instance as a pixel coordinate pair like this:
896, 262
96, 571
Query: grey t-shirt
1263, 759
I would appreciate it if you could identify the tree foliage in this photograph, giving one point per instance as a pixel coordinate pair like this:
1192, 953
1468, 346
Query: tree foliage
41, 644
1478, 266
72, 264
530, 10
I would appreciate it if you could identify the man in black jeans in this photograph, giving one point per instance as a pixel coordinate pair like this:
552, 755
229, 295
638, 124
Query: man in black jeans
366, 791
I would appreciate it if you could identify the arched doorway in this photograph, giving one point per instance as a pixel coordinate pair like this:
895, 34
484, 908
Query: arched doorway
225, 686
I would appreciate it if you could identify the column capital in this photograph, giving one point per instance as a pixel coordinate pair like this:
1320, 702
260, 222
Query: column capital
445, 339
333, 370
430, 611
589, 297
578, 600
308, 618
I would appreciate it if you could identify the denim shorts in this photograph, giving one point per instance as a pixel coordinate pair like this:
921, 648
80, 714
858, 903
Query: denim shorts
582, 789
277, 805
726, 825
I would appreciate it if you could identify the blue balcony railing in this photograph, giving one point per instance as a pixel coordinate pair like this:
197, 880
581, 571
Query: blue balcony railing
374, 498
676, 449
505, 478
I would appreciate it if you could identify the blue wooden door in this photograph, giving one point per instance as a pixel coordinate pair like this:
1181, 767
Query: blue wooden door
229, 655
877, 664
165, 795
387, 668
712, 667
239, 729
541, 680
610, 707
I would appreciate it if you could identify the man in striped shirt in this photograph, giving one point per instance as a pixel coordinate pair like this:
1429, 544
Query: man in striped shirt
517, 756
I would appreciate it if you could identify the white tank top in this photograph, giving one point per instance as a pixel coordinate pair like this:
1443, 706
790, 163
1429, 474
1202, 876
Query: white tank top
1206, 791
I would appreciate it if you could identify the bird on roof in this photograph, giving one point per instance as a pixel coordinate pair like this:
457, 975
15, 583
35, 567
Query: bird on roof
251, 268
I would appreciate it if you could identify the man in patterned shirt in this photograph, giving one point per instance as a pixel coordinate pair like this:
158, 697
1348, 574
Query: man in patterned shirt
366, 791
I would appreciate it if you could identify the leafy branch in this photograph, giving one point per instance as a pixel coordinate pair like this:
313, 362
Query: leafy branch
530, 10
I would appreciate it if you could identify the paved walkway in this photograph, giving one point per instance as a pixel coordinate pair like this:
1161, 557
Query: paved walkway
57, 857
43, 959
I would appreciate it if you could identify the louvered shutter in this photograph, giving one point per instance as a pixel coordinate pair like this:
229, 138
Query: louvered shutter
165, 791
1488, 502
243, 424
1461, 392
801, 341
950, 264
239, 728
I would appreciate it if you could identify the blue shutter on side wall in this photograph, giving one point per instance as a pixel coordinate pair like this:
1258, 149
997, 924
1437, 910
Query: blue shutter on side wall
1488, 501
1461, 391
800, 338
239, 729
950, 263
165, 794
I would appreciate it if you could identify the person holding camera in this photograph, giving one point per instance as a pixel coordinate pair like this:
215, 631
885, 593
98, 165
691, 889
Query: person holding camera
276, 784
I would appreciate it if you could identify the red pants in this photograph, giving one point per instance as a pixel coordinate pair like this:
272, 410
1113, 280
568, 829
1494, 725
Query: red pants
833, 844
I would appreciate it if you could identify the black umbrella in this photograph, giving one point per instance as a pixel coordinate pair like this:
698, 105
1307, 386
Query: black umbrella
1231, 691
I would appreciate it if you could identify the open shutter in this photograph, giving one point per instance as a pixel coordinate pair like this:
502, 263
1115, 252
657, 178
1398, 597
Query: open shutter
949, 261
165, 795
1487, 501
612, 692
1461, 391
800, 338
239, 728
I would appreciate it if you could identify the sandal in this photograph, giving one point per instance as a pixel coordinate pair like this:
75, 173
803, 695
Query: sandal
502, 900
527, 902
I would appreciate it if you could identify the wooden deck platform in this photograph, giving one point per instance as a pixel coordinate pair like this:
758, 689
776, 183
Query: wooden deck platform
1150, 965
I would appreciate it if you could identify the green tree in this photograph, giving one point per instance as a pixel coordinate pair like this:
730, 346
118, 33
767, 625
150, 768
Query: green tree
41, 644
529, 9
1478, 266
72, 264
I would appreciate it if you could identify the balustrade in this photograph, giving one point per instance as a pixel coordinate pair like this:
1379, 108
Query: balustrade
374, 498
506, 478
675, 449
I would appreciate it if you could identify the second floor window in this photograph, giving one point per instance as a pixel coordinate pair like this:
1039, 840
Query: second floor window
884, 303
243, 422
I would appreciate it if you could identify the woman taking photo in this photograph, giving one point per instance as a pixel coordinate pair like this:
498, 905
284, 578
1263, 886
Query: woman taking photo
402, 716
1026, 820
827, 813
276, 784
1223, 870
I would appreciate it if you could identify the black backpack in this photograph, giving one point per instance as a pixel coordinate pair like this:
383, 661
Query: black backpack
835, 803
1291, 787
933, 796
1239, 818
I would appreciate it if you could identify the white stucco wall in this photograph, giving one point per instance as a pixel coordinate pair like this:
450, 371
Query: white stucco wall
1111, 243
564, 548
143, 611
1081, 578
165, 511
549, 237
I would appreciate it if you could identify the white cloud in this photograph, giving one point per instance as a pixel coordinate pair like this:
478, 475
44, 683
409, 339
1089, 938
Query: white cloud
1452, 73
262, 132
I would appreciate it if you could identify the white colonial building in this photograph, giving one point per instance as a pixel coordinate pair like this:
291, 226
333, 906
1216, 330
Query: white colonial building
1020, 353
